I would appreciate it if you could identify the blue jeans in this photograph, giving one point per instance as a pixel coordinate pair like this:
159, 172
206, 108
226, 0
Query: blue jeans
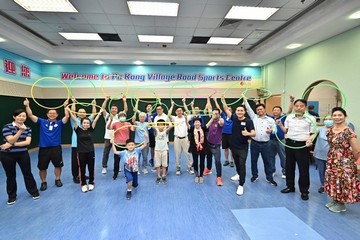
256, 149
215, 150
277, 148
321, 164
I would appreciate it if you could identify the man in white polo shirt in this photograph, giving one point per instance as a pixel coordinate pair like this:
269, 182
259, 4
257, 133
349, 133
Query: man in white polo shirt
181, 141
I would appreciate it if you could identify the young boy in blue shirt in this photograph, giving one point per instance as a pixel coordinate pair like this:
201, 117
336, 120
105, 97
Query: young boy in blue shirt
131, 158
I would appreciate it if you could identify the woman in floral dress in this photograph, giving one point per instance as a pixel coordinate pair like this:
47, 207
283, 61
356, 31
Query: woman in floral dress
341, 181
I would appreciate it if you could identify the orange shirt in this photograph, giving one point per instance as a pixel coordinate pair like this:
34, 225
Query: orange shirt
123, 134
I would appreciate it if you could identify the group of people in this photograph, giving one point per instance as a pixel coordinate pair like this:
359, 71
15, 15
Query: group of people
197, 133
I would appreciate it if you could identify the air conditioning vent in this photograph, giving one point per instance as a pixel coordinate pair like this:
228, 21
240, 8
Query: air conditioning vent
28, 16
230, 23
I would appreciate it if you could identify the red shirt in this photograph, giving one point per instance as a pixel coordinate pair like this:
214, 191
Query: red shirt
123, 134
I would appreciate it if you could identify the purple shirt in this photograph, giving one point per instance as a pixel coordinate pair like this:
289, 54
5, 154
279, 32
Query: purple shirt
215, 133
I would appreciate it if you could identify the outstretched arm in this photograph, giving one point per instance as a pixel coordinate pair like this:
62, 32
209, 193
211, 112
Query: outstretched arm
226, 109
93, 112
65, 119
97, 118
291, 105
104, 104
29, 111
248, 108
185, 106
217, 104
125, 103
73, 117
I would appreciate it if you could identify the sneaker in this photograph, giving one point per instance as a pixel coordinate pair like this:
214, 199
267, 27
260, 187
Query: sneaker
138, 172
232, 164
36, 196
43, 186
84, 188
76, 180
226, 163
145, 171
219, 181
330, 204
283, 176
151, 162
236, 177
158, 180
178, 171
240, 190
164, 180
321, 190
119, 169
201, 179
197, 179
115, 176
207, 172
128, 195
91, 187
190, 171
254, 179
11, 201
154, 169
104, 170
337, 207
274, 174
58, 183
272, 182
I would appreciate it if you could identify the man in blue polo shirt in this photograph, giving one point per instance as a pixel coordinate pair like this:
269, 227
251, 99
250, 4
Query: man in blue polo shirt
50, 142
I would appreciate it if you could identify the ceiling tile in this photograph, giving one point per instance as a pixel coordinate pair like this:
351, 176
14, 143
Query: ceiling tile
145, 30
242, 33
182, 39
184, 31
165, 21
209, 23
114, 7
63, 27
249, 41
100, 28
191, 9
274, 3
10, 5
120, 19
129, 38
165, 31
222, 32
82, 28
298, 4
48, 17
38, 26
271, 25
125, 29
187, 22
200, 32
258, 34
215, 11
72, 18
250, 24
51, 35
94, 18
89, 6
143, 21
284, 14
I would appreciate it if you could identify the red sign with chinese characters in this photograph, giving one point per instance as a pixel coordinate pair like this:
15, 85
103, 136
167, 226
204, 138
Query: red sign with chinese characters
9, 66
25, 71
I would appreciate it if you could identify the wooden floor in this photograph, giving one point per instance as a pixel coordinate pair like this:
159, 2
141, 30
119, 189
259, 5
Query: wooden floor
180, 209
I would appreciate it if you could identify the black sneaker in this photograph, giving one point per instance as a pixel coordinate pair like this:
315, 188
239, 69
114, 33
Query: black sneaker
321, 190
272, 182
36, 196
43, 186
11, 201
158, 180
115, 176
151, 162
232, 164
58, 183
164, 180
128, 195
76, 180
226, 163
254, 179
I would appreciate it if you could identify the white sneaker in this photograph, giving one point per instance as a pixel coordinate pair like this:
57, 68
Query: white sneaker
119, 169
91, 187
84, 188
104, 170
145, 171
235, 177
138, 172
274, 174
240, 190
283, 176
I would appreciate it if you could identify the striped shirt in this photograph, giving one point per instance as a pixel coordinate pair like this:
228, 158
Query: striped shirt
11, 129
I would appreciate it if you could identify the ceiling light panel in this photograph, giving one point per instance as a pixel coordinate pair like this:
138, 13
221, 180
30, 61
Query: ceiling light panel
46, 5
156, 38
220, 40
153, 8
81, 36
250, 13
293, 45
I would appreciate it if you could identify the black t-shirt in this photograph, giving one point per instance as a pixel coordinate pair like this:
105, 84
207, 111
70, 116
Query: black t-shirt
85, 142
237, 139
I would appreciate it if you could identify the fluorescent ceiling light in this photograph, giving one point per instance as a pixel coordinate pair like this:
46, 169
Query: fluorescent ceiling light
293, 45
99, 62
156, 38
250, 13
254, 64
221, 40
2, 39
81, 36
138, 62
47, 5
47, 61
153, 8
212, 63
355, 15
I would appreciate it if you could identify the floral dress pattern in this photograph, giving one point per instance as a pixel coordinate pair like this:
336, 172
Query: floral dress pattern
341, 181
